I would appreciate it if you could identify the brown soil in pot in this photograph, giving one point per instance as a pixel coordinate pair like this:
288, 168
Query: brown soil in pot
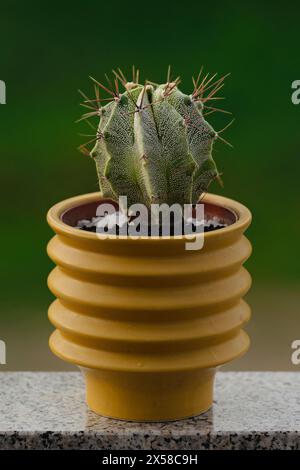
88, 211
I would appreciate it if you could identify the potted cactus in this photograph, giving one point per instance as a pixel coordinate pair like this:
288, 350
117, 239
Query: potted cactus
147, 320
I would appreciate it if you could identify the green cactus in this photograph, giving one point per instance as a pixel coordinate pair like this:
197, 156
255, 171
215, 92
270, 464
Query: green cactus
153, 143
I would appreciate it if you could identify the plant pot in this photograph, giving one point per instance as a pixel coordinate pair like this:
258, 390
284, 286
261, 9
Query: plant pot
146, 320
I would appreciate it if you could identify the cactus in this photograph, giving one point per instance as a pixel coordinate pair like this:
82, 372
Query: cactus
153, 143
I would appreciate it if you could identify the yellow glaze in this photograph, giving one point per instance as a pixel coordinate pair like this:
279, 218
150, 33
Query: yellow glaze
146, 320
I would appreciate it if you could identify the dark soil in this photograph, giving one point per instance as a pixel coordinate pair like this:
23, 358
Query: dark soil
208, 227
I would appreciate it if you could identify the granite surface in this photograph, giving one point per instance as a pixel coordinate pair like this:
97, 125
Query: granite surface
252, 410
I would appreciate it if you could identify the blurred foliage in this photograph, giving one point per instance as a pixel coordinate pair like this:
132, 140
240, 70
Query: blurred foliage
47, 52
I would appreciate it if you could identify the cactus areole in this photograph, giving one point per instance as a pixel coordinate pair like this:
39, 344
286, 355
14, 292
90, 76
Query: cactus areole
153, 143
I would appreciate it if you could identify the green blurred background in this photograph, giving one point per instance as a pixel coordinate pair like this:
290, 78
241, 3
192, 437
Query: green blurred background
47, 52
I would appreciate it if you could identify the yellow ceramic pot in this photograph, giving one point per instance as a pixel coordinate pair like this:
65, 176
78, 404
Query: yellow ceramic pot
146, 320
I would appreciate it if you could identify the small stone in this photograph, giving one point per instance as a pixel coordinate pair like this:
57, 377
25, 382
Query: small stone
82, 223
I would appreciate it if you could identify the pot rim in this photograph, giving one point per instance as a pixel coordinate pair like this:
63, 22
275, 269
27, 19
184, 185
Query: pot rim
242, 213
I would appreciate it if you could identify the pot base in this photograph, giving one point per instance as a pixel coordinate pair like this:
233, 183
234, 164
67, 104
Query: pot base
149, 396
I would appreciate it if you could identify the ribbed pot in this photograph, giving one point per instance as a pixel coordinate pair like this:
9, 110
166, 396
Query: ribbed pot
146, 320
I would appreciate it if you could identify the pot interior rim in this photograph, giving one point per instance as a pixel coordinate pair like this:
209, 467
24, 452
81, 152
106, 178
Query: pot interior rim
65, 214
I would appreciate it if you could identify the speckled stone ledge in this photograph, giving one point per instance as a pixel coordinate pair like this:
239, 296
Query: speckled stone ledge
251, 411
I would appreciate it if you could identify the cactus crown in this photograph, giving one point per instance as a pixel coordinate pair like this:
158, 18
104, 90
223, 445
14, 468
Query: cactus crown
153, 143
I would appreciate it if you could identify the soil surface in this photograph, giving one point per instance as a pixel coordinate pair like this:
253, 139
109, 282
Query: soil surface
91, 226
